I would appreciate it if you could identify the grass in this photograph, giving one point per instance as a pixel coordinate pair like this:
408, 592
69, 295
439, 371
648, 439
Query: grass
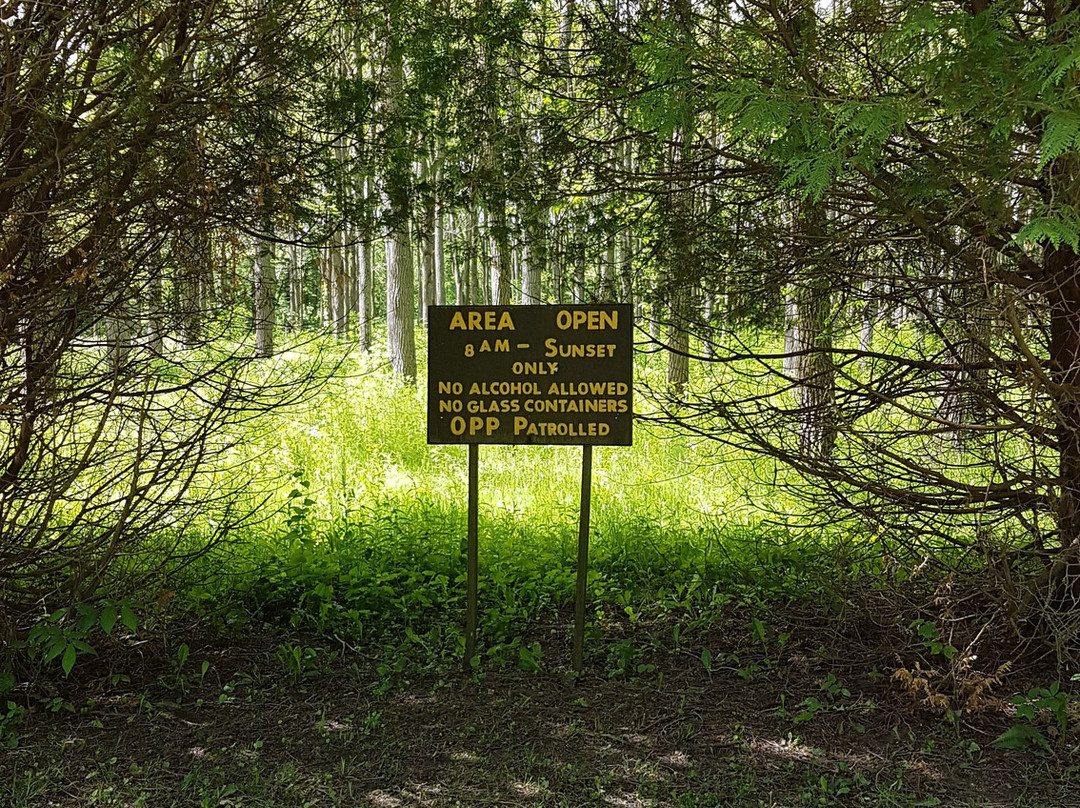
367, 522
732, 658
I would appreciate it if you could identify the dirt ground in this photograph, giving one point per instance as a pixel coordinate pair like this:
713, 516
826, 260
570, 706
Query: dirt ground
269, 725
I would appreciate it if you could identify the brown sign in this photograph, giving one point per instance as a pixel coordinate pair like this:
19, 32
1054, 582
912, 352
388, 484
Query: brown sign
530, 374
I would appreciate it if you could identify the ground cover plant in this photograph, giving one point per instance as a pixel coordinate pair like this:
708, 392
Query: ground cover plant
734, 656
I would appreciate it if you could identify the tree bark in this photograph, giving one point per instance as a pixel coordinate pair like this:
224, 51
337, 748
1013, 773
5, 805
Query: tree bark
296, 290
427, 250
534, 260
1062, 266
440, 256
400, 299
810, 309
400, 305
339, 308
812, 368
265, 294
678, 341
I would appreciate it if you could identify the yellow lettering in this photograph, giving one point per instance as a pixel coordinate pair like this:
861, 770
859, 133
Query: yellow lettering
474, 321
506, 321
457, 322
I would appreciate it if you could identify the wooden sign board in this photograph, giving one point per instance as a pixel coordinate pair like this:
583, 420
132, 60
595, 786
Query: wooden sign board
530, 374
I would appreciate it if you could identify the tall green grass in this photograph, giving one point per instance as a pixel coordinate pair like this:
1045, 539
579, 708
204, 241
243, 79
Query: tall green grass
364, 523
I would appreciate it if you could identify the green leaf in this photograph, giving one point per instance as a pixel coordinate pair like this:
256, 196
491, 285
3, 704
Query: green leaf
706, 659
1022, 736
1055, 230
127, 617
759, 630
1071, 60
529, 658
68, 662
108, 617
811, 706
1061, 133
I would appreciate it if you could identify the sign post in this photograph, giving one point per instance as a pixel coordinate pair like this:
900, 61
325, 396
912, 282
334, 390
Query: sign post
582, 556
530, 375
472, 554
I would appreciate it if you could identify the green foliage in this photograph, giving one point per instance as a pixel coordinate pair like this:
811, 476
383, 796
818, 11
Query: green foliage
1022, 737
366, 543
931, 639
1061, 133
1051, 700
12, 714
65, 634
1056, 230
832, 691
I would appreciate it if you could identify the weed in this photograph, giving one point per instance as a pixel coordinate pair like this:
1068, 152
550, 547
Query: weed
299, 662
11, 713
1051, 700
65, 633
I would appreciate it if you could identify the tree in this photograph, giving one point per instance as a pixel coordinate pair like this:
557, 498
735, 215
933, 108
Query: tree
400, 294
940, 146
105, 459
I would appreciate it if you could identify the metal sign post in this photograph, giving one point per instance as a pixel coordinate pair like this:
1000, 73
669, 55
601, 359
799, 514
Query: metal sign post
530, 375
472, 554
582, 557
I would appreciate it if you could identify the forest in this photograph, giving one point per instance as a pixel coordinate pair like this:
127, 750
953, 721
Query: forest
839, 564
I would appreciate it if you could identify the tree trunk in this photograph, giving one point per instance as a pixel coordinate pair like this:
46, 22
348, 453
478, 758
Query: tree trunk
1062, 266
296, 290
191, 261
155, 314
440, 257
400, 305
809, 313
427, 250
363, 294
339, 309
558, 267
812, 368
678, 341
400, 299
472, 258
120, 331
967, 334
365, 286
869, 322
791, 334
576, 252
265, 294
534, 259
